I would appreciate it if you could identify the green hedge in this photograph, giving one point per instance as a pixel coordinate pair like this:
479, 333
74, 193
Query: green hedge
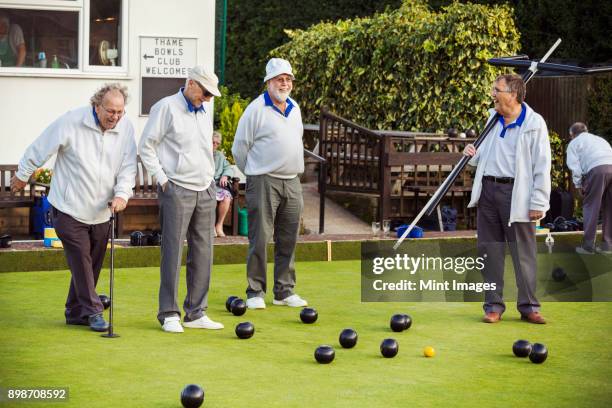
408, 69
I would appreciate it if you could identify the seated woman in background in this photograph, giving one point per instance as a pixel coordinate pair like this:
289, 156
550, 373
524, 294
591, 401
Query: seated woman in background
223, 173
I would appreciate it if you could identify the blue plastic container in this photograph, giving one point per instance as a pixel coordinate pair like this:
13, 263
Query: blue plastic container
41, 216
417, 232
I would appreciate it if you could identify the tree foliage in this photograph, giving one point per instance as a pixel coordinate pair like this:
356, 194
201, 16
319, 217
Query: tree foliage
256, 27
228, 110
409, 69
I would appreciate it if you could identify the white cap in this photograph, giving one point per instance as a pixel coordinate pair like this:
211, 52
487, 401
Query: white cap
206, 78
276, 67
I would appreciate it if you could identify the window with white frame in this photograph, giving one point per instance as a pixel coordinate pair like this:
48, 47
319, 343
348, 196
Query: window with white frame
105, 32
63, 36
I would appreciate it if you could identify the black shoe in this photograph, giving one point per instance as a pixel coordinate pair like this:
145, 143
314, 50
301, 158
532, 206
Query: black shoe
97, 323
77, 321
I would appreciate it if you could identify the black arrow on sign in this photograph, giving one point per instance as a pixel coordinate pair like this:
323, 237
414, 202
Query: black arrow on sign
147, 56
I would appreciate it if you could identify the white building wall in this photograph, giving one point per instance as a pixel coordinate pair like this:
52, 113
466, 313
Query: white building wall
29, 103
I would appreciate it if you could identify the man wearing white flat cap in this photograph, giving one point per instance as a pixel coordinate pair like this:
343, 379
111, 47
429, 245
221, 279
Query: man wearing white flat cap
268, 150
176, 148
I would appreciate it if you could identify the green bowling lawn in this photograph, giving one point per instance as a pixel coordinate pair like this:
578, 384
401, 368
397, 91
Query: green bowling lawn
146, 367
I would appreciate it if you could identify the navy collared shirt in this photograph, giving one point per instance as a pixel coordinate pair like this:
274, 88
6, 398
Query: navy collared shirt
518, 122
190, 106
268, 101
95, 115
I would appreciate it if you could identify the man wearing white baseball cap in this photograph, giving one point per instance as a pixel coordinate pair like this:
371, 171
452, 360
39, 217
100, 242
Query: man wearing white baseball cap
268, 149
176, 149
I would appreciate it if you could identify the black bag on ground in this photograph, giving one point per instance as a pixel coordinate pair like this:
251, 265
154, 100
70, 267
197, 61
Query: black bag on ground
561, 205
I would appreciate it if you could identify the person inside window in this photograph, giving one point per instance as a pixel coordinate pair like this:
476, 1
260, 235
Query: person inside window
12, 43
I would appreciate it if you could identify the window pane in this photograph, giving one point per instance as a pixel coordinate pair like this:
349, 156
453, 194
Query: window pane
105, 32
49, 39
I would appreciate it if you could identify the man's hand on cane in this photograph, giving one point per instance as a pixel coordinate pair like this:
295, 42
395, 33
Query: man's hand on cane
117, 205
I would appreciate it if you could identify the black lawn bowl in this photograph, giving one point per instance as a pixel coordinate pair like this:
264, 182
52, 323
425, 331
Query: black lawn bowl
558, 274
348, 338
521, 348
324, 354
408, 322
309, 315
245, 330
238, 307
471, 133
105, 301
538, 354
229, 301
398, 322
192, 396
389, 348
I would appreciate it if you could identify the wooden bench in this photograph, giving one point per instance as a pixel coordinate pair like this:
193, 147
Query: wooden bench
145, 195
8, 199
26, 198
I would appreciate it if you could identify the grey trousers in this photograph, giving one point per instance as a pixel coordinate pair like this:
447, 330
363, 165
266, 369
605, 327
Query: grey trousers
597, 187
493, 233
275, 206
185, 213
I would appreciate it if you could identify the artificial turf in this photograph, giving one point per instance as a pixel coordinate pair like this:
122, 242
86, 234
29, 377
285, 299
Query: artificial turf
146, 367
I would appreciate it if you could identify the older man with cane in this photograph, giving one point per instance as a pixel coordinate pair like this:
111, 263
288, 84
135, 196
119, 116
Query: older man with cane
95, 165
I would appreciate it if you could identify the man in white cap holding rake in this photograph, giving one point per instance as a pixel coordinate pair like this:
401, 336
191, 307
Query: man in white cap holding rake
268, 150
176, 148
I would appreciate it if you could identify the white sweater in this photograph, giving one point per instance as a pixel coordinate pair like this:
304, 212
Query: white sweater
91, 167
531, 190
268, 142
176, 144
585, 152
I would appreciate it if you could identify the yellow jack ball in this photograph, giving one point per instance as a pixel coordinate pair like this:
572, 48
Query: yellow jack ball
429, 351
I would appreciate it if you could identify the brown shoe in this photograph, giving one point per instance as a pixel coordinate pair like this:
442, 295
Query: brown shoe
491, 317
534, 317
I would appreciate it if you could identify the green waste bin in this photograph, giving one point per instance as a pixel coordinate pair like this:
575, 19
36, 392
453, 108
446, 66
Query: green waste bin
243, 222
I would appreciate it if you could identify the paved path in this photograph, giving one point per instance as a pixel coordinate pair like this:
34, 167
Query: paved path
337, 219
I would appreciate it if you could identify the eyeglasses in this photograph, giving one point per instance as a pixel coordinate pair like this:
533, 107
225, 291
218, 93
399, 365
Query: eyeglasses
496, 90
113, 112
204, 91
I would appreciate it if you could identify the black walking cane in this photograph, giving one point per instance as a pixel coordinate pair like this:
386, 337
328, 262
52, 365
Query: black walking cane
110, 333
435, 199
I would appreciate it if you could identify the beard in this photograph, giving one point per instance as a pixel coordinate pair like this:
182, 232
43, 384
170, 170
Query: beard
280, 95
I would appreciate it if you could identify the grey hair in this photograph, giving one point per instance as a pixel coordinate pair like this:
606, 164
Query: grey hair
515, 85
98, 97
577, 128
218, 135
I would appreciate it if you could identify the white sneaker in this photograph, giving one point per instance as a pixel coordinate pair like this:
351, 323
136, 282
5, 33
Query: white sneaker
172, 324
256, 303
203, 322
291, 301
